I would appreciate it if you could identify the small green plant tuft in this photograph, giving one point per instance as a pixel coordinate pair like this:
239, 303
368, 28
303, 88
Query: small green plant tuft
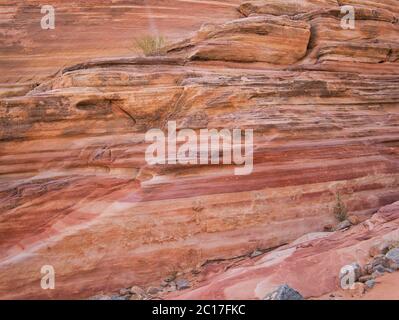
340, 211
151, 45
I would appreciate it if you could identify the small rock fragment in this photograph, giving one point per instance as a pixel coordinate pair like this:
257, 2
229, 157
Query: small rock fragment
171, 287
393, 255
182, 284
365, 278
377, 274
374, 251
358, 290
124, 291
135, 290
368, 269
354, 220
153, 290
100, 297
370, 284
284, 292
256, 253
379, 268
344, 225
170, 278
328, 228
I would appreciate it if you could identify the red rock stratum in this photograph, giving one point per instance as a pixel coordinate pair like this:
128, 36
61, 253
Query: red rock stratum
76, 192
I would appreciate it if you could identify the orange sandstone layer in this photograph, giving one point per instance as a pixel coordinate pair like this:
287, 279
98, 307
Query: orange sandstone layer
90, 29
76, 190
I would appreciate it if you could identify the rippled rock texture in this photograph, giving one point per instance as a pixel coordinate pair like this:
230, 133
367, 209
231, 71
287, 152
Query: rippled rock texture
77, 193
311, 264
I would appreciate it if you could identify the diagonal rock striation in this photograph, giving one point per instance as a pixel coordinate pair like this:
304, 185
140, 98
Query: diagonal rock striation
78, 194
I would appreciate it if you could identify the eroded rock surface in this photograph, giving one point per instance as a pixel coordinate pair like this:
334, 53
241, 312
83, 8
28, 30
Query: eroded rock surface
311, 266
77, 193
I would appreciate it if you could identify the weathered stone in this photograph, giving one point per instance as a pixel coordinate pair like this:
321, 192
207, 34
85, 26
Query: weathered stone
182, 284
100, 297
358, 290
368, 269
288, 7
344, 225
170, 278
370, 283
393, 255
379, 268
275, 40
328, 228
135, 297
375, 251
354, 220
119, 297
153, 290
365, 278
137, 291
284, 292
376, 274
256, 253
171, 287
124, 291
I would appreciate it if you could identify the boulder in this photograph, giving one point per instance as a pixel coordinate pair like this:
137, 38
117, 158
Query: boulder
284, 292
370, 284
182, 284
393, 255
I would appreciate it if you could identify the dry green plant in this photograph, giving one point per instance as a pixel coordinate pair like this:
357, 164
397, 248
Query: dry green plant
151, 45
340, 210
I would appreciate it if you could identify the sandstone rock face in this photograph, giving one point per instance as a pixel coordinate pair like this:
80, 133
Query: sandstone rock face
254, 39
86, 30
78, 194
311, 266
289, 7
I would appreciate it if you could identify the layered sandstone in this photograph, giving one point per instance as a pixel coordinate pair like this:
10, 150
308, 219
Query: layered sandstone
253, 39
311, 264
90, 29
78, 194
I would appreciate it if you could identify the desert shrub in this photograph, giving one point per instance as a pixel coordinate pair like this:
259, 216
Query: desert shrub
340, 211
151, 45
393, 245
